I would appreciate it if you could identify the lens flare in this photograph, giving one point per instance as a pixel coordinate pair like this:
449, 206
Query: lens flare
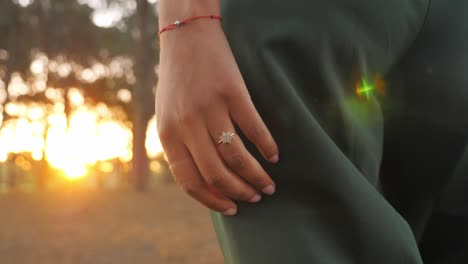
365, 89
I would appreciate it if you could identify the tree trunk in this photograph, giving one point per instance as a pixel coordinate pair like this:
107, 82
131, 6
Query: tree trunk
143, 102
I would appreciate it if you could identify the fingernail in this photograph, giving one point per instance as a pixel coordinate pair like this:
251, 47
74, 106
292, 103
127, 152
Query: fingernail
274, 159
269, 189
230, 212
257, 197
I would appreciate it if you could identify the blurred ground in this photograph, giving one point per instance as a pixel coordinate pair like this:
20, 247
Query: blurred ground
162, 226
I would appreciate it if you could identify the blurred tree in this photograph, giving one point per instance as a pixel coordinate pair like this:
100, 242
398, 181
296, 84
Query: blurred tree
144, 103
63, 31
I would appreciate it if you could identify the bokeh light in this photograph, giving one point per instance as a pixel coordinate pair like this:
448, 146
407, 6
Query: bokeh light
94, 133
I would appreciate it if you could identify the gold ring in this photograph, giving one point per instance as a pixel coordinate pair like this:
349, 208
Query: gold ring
226, 137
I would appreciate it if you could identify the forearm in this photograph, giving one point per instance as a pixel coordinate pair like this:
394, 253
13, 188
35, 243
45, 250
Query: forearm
171, 10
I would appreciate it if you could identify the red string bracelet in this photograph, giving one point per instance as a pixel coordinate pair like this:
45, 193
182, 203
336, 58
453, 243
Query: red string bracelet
178, 23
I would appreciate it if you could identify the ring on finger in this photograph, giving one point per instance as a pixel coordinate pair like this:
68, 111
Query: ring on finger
226, 137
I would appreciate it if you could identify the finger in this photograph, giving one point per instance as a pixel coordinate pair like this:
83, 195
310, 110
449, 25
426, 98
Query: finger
235, 155
212, 168
245, 115
188, 178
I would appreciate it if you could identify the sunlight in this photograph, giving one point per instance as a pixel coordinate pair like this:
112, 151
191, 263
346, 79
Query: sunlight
92, 136
153, 144
95, 134
86, 141
74, 171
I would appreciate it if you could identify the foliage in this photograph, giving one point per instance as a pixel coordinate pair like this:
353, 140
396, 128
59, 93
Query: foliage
57, 43
64, 30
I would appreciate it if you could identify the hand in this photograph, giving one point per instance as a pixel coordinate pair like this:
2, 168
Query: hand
200, 94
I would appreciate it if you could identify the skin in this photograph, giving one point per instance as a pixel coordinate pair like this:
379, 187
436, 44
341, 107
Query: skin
200, 94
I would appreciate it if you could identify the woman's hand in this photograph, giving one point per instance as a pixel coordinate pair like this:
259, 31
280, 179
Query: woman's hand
201, 94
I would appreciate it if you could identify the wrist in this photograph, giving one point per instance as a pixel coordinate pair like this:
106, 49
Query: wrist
172, 10
197, 34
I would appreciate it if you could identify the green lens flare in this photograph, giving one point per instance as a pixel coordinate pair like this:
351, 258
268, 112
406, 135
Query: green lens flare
365, 89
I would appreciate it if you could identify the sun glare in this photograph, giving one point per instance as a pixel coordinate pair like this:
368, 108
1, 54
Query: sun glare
89, 138
74, 171
93, 136
87, 141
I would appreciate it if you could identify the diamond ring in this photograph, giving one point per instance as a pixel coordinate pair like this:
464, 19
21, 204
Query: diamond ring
226, 137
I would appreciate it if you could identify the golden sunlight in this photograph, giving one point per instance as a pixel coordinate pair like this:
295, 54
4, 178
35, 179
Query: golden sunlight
87, 140
93, 136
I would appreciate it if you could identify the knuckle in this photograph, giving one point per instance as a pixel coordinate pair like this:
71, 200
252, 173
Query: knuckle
237, 161
175, 163
257, 132
229, 91
259, 177
217, 180
207, 105
176, 177
189, 188
235, 92
246, 194
185, 118
262, 181
164, 132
